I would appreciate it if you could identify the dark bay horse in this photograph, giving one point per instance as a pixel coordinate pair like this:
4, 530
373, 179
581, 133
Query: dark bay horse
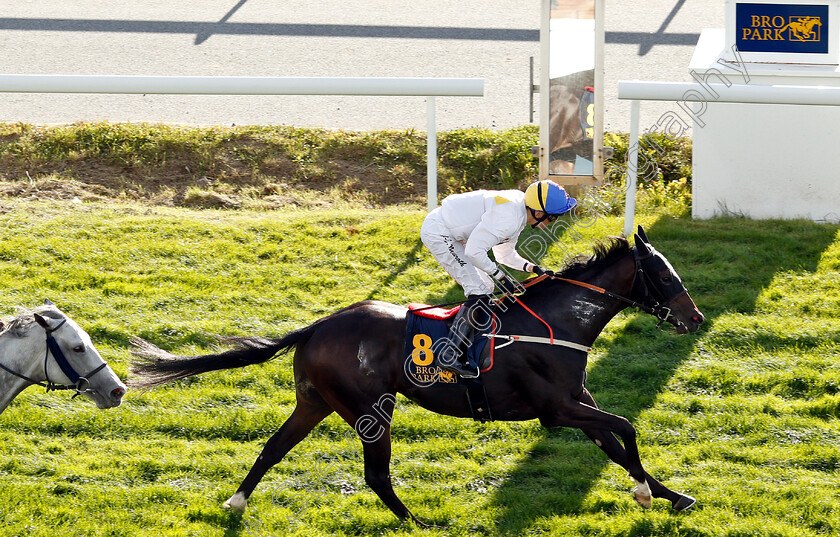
352, 361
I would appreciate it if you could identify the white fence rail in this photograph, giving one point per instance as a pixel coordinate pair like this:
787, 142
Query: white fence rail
733, 93
222, 85
691, 94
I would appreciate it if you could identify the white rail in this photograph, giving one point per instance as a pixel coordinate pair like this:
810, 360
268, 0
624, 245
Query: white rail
223, 85
690, 94
733, 93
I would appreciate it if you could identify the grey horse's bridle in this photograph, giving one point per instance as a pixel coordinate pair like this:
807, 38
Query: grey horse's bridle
80, 384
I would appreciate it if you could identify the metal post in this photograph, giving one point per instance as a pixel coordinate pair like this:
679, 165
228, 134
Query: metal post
532, 88
431, 154
632, 169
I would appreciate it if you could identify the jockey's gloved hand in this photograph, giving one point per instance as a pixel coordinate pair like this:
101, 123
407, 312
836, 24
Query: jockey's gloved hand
539, 271
504, 282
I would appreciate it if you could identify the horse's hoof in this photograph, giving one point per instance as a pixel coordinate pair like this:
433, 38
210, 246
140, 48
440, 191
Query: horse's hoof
642, 494
685, 502
644, 501
236, 503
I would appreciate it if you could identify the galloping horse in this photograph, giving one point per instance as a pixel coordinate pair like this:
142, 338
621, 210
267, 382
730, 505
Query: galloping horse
46, 348
348, 361
803, 29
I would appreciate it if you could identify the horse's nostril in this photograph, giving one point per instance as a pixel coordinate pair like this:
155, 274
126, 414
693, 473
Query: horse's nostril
118, 392
697, 319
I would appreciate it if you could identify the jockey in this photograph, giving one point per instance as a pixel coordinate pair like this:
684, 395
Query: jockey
462, 231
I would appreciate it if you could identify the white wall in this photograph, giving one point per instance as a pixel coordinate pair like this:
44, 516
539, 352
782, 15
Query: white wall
767, 161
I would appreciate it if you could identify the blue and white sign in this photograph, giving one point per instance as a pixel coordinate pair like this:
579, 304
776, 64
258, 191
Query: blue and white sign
787, 28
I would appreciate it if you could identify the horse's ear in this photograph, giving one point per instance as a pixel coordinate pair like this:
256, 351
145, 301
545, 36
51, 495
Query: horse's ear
48, 302
642, 246
642, 234
40, 320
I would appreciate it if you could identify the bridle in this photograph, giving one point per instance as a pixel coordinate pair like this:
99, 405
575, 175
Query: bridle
80, 384
654, 301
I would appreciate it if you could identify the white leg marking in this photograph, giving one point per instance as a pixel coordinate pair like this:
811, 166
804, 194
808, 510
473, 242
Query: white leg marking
237, 503
642, 494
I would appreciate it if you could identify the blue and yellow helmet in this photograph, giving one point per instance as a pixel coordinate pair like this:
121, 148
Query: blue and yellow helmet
548, 197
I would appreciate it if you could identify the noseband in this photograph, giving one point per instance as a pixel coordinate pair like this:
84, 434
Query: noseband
80, 382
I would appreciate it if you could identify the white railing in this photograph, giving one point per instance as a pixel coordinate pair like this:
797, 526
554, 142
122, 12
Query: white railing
223, 85
705, 93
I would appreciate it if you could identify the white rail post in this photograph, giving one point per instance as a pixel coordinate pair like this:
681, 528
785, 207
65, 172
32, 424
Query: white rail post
431, 154
632, 169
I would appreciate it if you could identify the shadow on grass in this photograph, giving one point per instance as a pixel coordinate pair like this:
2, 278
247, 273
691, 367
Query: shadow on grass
233, 524
411, 258
725, 264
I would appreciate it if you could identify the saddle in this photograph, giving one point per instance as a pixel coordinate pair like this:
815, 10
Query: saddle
427, 329
433, 312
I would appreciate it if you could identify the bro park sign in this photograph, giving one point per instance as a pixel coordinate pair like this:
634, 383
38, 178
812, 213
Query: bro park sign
796, 28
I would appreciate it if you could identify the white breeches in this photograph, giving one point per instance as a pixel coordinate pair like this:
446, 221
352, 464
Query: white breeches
450, 254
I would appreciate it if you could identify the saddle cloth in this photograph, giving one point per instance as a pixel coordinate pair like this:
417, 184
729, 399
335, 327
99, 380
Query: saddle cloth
425, 336
433, 312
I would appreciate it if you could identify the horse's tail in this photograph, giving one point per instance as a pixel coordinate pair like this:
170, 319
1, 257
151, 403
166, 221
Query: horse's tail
152, 366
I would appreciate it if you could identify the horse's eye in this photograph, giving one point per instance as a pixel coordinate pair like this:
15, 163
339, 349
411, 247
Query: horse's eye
79, 348
667, 279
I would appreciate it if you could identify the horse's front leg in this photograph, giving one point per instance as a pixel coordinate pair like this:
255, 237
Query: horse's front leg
615, 451
377, 455
572, 412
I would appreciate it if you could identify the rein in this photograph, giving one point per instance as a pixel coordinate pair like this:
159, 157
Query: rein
79, 381
660, 310
550, 340
630, 302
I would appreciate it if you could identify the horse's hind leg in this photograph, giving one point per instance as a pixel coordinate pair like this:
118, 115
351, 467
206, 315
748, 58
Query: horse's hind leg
371, 419
303, 419
378, 476
615, 451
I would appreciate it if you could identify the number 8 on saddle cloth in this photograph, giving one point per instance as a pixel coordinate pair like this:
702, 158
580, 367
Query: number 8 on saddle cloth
425, 338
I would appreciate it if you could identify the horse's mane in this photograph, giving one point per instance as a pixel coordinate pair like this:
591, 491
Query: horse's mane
25, 318
605, 253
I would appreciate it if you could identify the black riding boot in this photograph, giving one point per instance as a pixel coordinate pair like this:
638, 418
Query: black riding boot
474, 315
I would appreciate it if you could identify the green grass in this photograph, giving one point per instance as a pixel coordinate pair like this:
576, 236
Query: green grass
255, 166
270, 167
743, 415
